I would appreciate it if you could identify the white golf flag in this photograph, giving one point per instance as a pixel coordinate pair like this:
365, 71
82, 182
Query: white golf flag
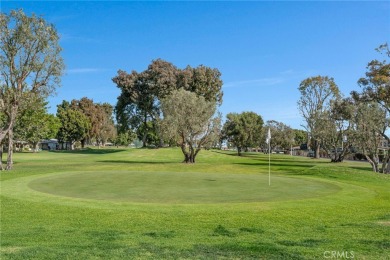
268, 140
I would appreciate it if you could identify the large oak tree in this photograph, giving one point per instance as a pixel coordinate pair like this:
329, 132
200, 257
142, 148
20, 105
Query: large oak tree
139, 104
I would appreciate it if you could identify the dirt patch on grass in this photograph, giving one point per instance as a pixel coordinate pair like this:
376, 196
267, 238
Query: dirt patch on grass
384, 223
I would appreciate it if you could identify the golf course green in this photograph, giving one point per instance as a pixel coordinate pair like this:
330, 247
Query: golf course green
163, 187
146, 204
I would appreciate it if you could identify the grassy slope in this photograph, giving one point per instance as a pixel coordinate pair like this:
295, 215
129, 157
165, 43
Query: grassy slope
354, 219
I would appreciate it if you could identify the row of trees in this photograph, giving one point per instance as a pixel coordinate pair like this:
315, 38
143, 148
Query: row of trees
31, 68
165, 104
168, 105
358, 123
85, 121
247, 130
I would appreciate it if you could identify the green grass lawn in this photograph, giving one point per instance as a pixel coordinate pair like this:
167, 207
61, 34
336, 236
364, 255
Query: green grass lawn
144, 203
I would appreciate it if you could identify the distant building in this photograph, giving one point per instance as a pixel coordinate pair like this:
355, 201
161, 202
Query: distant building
51, 144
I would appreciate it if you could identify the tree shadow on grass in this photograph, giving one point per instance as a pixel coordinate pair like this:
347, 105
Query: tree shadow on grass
365, 169
136, 162
291, 159
90, 151
277, 164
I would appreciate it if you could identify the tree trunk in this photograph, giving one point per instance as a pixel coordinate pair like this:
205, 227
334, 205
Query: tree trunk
185, 153
159, 135
386, 164
337, 157
189, 156
1, 156
6, 131
145, 133
10, 150
317, 150
374, 163
239, 151
35, 145
144, 139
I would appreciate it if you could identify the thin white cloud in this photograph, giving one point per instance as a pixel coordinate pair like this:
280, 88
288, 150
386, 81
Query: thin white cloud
83, 70
80, 39
254, 83
271, 81
60, 18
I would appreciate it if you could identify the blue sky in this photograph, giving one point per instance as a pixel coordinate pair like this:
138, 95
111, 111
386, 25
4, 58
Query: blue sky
263, 49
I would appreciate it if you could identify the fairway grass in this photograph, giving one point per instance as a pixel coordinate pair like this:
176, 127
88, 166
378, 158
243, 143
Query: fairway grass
145, 204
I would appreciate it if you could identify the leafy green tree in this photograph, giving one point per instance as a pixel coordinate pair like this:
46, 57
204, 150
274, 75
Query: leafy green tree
126, 138
102, 126
376, 88
141, 93
35, 124
243, 130
203, 81
106, 130
74, 124
188, 118
87, 107
316, 96
376, 84
335, 131
300, 137
370, 122
148, 132
282, 135
30, 62
139, 101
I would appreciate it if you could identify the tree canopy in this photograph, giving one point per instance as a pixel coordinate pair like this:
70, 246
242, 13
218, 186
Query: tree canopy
243, 130
375, 89
74, 124
282, 135
142, 93
316, 96
35, 123
100, 119
188, 119
376, 84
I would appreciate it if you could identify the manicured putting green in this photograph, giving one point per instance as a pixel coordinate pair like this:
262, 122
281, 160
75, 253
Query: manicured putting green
162, 187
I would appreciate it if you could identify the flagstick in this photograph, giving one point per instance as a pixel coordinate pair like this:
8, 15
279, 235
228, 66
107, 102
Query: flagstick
269, 163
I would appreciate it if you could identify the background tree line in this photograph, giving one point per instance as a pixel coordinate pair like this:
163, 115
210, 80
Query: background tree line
85, 121
358, 123
167, 105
